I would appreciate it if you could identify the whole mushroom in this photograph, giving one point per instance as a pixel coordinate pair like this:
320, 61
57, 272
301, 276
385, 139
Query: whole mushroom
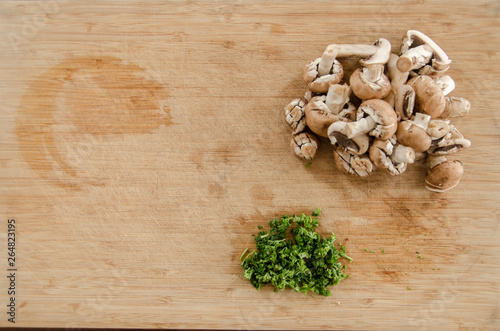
456, 107
375, 117
391, 156
452, 142
402, 95
430, 98
443, 175
323, 110
338, 137
305, 145
413, 133
324, 71
418, 57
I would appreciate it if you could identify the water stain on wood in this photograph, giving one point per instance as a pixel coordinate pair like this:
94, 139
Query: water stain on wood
85, 98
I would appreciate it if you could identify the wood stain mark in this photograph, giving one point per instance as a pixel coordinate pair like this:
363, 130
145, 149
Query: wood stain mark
87, 95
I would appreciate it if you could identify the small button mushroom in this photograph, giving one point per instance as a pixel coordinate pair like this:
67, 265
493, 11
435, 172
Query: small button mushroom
456, 107
375, 117
429, 96
443, 175
391, 156
338, 137
324, 71
358, 165
295, 115
413, 133
440, 62
305, 145
319, 115
402, 96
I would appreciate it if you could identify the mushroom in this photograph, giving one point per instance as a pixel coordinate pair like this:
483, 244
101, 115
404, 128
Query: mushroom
455, 107
323, 72
305, 145
452, 142
429, 96
370, 82
359, 165
375, 117
391, 156
413, 133
295, 115
378, 52
418, 57
338, 137
437, 129
402, 96
443, 175
319, 116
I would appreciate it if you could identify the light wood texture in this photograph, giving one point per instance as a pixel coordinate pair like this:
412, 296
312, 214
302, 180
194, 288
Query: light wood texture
142, 144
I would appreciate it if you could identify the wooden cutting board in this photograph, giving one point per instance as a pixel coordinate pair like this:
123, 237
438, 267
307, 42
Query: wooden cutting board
142, 144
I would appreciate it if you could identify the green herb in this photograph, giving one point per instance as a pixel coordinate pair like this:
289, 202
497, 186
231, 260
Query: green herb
303, 261
371, 251
307, 164
409, 288
241, 256
383, 252
420, 257
259, 227
366, 249
316, 212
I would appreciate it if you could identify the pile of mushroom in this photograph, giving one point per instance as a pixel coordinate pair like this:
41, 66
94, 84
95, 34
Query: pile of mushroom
392, 111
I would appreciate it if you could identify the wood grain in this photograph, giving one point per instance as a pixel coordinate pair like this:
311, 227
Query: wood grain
142, 144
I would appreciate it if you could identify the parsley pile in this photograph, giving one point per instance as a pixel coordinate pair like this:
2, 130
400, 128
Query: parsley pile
303, 261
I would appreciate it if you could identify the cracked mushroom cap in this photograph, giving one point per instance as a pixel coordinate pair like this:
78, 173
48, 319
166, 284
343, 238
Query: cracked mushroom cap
390, 156
319, 83
358, 165
444, 176
430, 98
295, 115
412, 135
305, 145
319, 117
338, 137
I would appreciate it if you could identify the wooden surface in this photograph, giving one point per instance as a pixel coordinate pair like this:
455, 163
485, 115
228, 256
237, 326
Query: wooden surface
142, 144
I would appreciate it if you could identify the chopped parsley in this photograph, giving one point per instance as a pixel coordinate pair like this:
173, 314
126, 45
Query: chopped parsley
303, 260
307, 165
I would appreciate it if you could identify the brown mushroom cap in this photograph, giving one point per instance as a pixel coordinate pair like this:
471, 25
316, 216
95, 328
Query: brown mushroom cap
444, 176
319, 117
429, 96
320, 84
365, 90
413, 136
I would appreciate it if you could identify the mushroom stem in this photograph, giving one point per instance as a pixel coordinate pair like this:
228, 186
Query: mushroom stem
371, 74
374, 52
415, 58
362, 126
446, 83
403, 154
397, 77
422, 120
337, 97
327, 60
